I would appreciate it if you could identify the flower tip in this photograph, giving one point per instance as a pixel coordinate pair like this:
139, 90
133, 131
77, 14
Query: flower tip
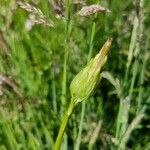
108, 43
105, 49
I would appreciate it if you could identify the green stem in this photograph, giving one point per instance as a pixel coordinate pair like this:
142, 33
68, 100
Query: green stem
68, 29
131, 48
139, 99
118, 125
91, 42
134, 51
54, 92
63, 125
123, 109
134, 75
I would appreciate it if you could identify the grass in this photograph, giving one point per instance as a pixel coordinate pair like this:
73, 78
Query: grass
41, 54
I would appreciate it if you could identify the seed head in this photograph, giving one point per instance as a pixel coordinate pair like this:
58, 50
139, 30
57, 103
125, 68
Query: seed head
86, 80
38, 16
92, 9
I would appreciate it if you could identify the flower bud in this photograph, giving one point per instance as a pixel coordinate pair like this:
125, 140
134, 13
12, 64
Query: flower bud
84, 83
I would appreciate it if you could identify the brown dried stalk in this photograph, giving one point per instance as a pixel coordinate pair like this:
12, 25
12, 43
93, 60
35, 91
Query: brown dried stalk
12, 84
39, 16
4, 45
92, 9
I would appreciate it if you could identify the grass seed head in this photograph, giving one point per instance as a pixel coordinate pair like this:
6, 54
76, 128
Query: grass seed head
86, 80
92, 9
39, 17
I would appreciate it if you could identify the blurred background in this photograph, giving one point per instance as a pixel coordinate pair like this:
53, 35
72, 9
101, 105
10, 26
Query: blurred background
44, 44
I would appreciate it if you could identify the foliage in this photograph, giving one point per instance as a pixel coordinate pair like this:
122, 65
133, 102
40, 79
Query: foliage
39, 57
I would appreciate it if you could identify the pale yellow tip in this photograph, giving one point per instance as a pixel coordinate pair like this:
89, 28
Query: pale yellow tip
105, 49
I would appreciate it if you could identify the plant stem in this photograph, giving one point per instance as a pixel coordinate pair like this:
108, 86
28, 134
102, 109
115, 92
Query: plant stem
131, 48
145, 56
131, 127
63, 125
134, 51
84, 102
139, 99
68, 29
54, 92
123, 113
134, 75
122, 119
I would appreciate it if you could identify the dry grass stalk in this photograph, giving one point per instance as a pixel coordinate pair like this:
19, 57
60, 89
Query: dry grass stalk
92, 9
4, 45
39, 16
95, 134
11, 83
131, 127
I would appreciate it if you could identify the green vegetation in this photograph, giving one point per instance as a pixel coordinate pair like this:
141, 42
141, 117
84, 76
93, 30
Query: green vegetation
43, 47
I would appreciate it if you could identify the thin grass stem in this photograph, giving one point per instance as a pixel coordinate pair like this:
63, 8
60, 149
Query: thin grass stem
84, 102
54, 92
66, 55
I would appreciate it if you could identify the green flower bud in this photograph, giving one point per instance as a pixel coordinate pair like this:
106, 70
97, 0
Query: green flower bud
84, 83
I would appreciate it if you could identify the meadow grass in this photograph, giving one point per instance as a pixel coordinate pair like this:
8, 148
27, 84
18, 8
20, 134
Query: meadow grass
44, 45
